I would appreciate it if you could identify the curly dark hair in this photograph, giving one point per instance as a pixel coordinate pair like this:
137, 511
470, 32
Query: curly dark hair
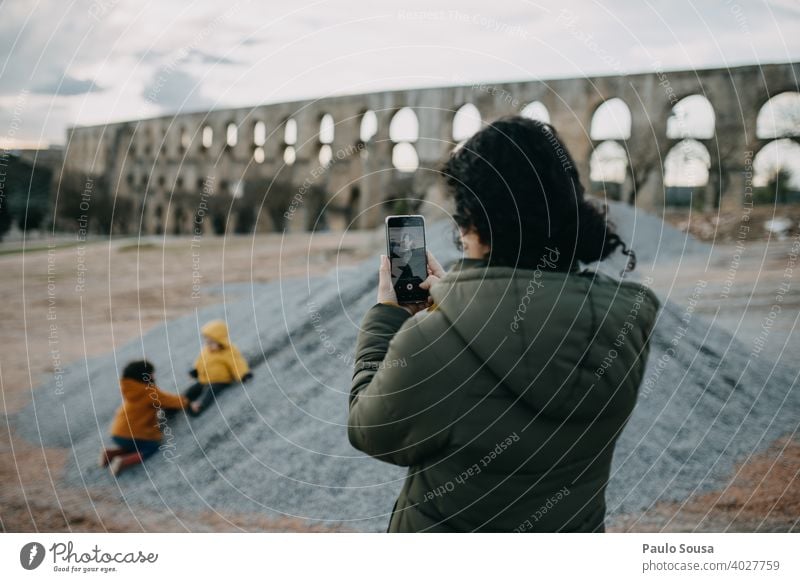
516, 185
141, 371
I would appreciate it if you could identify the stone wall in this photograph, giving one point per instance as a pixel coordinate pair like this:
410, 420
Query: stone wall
163, 171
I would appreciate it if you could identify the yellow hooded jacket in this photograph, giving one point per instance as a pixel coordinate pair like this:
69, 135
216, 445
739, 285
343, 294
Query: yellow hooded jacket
137, 418
221, 366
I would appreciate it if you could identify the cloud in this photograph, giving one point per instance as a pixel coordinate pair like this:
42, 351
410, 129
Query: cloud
47, 44
252, 41
67, 86
175, 90
209, 54
788, 7
201, 57
148, 55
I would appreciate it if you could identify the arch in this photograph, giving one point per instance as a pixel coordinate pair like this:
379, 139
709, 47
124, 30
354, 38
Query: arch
369, 126
608, 169
536, 110
290, 132
326, 129
163, 145
177, 224
404, 157
259, 134
351, 209
289, 155
207, 136
404, 126
325, 155
779, 117
158, 213
692, 117
466, 122
219, 222
245, 219
608, 162
184, 139
237, 189
611, 120
259, 139
231, 134
686, 172
147, 137
776, 172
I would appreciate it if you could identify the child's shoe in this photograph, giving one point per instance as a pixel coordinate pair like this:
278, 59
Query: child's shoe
120, 463
107, 454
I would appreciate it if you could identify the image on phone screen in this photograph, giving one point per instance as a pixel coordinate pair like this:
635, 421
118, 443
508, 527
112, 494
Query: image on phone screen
409, 265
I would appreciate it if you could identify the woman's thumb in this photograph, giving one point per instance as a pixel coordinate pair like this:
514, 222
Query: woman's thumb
385, 267
384, 272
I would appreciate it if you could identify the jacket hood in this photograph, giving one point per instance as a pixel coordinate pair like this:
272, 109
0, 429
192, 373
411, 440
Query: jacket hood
133, 390
217, 331
546, 335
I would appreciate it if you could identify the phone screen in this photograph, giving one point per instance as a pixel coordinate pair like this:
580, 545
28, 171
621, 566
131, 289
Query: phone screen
409, 264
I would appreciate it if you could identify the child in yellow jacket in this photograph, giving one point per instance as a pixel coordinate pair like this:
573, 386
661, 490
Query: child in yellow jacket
219, 365
136, 428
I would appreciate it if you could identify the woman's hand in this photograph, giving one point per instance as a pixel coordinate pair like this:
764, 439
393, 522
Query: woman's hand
386, 293
434, 268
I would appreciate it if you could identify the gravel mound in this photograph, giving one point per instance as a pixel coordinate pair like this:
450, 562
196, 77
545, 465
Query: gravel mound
278, 444
653, 240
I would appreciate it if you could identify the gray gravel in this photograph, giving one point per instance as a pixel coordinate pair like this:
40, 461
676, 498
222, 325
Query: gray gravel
278, 445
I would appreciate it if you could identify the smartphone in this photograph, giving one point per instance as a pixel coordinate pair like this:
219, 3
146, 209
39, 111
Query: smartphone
408, 259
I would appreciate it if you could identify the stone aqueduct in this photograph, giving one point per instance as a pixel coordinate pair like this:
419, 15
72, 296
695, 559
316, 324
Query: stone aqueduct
164, 166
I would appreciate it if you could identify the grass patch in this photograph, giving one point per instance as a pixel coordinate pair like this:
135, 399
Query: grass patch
147, 246
38, 248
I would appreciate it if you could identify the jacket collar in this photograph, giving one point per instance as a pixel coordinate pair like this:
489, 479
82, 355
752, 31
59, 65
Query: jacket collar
466, 263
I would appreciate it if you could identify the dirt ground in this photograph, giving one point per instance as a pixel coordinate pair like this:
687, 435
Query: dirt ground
104, 295
133, 286
741, 280
722, 227
763, 495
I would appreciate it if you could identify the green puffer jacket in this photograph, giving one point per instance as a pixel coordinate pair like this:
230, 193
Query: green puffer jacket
506, 400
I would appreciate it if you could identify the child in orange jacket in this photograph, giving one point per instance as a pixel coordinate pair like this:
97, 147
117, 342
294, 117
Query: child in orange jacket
219, 365
135, 429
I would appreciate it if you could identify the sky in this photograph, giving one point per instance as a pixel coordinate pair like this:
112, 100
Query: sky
82, 62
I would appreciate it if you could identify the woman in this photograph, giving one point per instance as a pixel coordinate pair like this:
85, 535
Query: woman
514, 388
